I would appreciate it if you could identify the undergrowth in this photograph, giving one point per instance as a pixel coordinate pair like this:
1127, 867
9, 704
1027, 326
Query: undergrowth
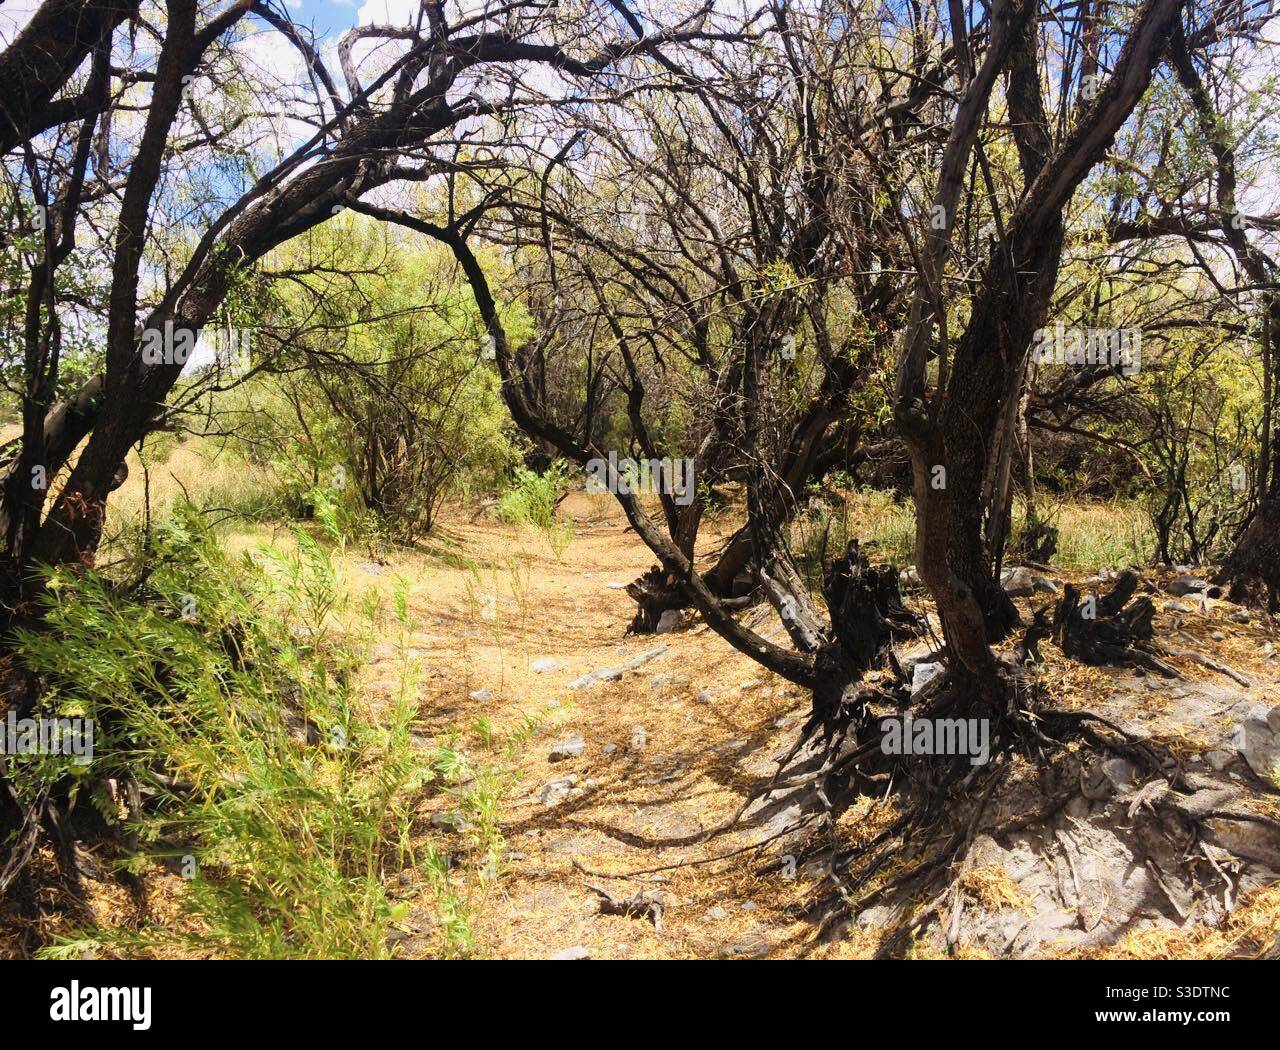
531, 500
230, 748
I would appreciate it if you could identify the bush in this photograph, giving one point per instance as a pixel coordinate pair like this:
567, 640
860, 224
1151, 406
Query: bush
383, 394
531, 500
225, 691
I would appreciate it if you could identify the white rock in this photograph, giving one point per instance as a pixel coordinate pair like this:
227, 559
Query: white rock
669, 621
1258, 739
555, 791
1019, 582
570, 748
923, 674
644, 658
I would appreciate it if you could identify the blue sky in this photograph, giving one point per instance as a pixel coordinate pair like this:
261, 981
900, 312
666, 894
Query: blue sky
328, 17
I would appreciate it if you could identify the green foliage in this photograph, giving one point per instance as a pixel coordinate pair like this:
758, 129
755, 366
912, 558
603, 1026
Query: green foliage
532, 497
1091, 535
226, 692
531, 500
395, 405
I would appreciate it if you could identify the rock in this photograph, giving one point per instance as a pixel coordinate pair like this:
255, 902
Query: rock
450, 819
576, 953
1184, 585
717, 912
1258, 739
1044, 585
608, 674
543, 664
583, 681
481, 695
555, 791
570, 748
1240, 616
371, 567
923, 674
639, 739
1120, 772
1019, 582
1219, 760
644, 658
910, 579
875, 916
1218, 636
749, 906
704, 695
669, 621
615, 586
1178, 607
609, 749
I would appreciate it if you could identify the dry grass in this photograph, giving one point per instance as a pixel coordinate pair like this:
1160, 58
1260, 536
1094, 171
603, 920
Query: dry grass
487, 600
1252, 927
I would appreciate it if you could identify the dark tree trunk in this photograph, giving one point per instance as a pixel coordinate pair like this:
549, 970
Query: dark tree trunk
1252, 572
36, 66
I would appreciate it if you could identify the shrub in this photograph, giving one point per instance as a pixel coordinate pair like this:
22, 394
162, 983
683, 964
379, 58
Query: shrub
531, 500
225, 691
383, 392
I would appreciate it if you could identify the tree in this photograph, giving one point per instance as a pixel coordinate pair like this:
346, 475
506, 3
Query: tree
395, 127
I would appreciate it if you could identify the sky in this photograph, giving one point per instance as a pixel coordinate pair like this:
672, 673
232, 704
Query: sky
329, 17
332, 17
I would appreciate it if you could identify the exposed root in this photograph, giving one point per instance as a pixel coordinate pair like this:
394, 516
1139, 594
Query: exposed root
943, 803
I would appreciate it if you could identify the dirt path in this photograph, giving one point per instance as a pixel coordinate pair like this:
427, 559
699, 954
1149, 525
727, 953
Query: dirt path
664, 747
667, 746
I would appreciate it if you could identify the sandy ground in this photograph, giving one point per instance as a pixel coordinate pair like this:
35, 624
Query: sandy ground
670, 746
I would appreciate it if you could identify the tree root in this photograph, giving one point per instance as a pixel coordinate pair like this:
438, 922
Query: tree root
943, 802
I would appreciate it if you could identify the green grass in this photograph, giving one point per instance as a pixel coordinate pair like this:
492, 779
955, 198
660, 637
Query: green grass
1092, 536
531, 500
286, 810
